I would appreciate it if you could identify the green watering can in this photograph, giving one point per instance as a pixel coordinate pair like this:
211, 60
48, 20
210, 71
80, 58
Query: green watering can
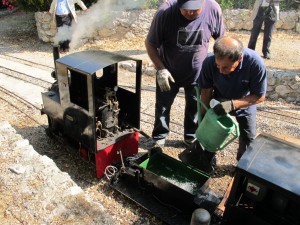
215, 132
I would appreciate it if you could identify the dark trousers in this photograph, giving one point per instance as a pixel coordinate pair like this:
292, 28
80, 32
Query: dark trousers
64, 20
264, 15
247, 126
164, 101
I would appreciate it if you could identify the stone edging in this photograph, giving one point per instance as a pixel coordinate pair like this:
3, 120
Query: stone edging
128, 24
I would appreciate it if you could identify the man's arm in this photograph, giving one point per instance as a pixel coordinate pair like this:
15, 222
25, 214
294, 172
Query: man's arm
52, 7
229, 105
82, 5
163, 75
154, 56
248, 101
206, 96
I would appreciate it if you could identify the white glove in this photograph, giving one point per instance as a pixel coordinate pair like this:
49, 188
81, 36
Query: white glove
163, 78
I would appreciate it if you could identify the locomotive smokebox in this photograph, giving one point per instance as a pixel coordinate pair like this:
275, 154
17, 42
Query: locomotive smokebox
96, 104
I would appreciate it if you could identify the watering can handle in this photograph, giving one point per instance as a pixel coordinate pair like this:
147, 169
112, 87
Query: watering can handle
236, 135
197, 88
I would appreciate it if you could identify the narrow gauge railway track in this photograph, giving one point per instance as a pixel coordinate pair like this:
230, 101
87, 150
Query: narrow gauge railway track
26, 62
271, 111
282, 115
285, 115
21, 105
25, 77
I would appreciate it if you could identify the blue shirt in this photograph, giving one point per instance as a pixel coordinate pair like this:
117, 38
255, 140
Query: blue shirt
183, 44
250, 77
62, 7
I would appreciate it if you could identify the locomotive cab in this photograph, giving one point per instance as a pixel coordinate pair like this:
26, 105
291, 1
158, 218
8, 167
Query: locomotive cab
95, 105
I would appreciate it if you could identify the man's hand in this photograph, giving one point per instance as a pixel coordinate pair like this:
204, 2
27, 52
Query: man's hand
163, 78
223, 108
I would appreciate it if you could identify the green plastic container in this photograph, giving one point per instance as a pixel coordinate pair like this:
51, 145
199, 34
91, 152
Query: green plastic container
168, 173
215, 132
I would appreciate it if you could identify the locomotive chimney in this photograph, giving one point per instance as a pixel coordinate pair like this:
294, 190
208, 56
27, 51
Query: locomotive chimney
55, 52
55, 57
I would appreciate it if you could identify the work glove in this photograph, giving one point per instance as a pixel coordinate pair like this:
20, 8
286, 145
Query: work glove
223, 108
163, 79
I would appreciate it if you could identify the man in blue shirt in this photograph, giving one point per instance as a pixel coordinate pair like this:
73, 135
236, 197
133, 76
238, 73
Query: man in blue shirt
235, 76
177, 44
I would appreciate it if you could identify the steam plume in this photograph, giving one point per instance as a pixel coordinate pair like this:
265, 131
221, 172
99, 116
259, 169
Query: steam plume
94, 18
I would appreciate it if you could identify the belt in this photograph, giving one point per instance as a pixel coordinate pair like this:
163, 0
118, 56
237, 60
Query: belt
63, 15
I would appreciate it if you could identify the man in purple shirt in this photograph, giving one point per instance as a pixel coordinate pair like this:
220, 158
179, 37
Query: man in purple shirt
177, 44
237, 77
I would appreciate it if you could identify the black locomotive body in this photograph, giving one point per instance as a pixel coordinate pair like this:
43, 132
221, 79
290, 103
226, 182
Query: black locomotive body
87, 106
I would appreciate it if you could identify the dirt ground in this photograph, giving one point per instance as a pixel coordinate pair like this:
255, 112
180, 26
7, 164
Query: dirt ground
19, 37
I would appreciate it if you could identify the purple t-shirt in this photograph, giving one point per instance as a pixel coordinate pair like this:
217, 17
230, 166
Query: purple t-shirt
183, 44
250, 77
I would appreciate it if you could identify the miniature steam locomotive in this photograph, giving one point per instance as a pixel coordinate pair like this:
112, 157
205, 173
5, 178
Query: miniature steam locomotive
87, 106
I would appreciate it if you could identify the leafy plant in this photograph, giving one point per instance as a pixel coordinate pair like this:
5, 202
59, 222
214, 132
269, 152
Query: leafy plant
290, 4
225, 4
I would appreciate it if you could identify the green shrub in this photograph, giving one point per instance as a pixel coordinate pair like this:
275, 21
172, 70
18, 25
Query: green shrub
248, 4
33, 5
290, 4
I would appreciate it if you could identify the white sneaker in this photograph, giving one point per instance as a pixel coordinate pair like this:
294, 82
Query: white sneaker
189, 142
156, 143
159, 142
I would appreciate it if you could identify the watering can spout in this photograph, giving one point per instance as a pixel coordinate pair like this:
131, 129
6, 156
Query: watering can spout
215, 132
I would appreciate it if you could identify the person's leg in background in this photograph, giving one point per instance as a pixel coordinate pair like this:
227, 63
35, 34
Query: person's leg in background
59, 24
61, 21
67, 21
190, 114
247, 126
257, 24
268, 31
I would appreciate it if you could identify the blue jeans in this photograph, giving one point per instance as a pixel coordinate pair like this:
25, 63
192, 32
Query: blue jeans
247, 126
164, 101
268, 18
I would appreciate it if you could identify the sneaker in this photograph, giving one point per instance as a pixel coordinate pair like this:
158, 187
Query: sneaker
160, 142
156, 143
189, 142
199, 158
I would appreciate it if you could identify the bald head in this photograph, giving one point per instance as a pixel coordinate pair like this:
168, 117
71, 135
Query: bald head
228, 48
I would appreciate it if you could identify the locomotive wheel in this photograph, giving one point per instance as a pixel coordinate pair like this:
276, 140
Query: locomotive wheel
51, 128
49, 132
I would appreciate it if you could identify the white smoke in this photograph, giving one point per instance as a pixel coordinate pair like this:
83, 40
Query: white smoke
99, 14
63, 33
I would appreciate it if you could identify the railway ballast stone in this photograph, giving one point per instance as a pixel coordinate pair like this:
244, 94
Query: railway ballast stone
40, 192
